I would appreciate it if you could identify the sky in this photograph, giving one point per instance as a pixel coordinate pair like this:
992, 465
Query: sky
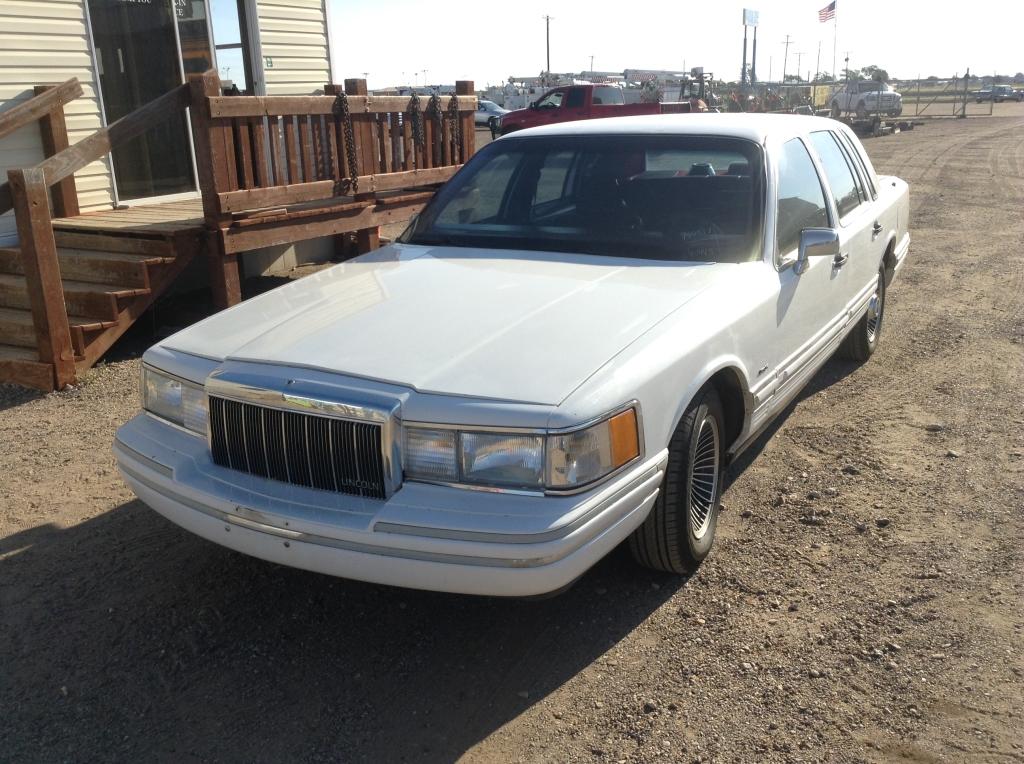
395, 40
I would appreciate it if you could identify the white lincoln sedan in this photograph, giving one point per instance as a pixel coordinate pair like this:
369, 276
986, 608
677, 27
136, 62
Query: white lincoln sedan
562, 353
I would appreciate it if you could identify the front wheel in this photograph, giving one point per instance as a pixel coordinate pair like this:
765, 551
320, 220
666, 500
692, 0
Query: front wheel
862, 340
680, 529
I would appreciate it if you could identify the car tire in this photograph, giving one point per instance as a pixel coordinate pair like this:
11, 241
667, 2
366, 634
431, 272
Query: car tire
679, 531
860, 343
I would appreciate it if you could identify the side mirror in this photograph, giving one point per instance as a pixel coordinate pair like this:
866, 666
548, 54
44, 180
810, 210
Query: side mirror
815, 242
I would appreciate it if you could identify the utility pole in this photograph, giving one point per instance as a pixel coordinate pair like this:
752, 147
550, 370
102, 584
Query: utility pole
743, 70
547, 37
591, 66
799, 53
785, 59
753, 60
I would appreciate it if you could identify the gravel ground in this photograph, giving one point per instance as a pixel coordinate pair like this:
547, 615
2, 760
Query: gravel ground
863, 602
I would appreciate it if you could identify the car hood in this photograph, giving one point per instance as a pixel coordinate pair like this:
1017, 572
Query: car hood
509, 325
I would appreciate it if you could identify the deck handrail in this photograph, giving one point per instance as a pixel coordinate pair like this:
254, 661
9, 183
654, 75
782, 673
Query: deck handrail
47, 108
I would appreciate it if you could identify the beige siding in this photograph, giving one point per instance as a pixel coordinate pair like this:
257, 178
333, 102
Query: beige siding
293, 36
44, 42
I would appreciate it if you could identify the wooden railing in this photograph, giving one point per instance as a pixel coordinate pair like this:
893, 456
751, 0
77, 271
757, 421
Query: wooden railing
281, 150
46, 108
256, 158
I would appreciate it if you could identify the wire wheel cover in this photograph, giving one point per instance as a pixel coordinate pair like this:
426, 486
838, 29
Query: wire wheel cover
703, 477
874, 313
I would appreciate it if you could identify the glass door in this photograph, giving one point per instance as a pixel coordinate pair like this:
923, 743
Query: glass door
139, 59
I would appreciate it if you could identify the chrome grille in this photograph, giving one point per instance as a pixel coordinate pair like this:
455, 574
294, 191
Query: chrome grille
303, 449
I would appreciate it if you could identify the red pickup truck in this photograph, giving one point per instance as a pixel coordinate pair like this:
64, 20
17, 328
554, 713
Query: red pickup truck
573, 102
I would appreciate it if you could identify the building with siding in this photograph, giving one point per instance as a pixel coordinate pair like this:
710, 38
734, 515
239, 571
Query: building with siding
127, 52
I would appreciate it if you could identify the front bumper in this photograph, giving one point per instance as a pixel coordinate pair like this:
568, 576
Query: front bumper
423, 537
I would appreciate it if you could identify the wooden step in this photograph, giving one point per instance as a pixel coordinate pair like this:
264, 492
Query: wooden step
107, 243
17, 328
93, 266
82, 298
22, 365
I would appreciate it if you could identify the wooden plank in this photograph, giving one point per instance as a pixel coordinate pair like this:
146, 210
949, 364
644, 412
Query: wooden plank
427, 156
359, 103
279, 174
42, 273
320, 157
362, 128
291, 150
230, 154
28, 370
446, 140
86, 265
53, 129
87, 150
259, 153
157, 247
39, 106
238, 201
467, 131
243, 152
306, 146
408, 151
336, 164
394, 125
383, 144
271, 234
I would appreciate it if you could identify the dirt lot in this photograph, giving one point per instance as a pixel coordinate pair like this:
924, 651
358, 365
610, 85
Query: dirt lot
863, 602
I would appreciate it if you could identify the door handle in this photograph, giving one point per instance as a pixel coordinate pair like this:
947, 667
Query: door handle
876, 229
840, 260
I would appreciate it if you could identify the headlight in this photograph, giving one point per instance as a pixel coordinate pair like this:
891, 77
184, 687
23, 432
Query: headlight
175, 400
557, 461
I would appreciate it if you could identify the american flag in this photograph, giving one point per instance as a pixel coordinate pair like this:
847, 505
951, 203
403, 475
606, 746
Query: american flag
828, 12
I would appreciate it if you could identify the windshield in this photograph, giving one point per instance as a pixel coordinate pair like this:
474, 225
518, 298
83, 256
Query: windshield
677, 198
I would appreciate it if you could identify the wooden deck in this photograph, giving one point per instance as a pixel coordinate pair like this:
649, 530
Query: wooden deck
271, 170
157, 219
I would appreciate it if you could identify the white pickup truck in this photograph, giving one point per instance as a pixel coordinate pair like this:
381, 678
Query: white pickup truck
866, 98
562, 353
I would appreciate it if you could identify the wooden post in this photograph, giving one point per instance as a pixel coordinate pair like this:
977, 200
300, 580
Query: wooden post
42, 272
212, 158
468, 127
54, 130
367, 239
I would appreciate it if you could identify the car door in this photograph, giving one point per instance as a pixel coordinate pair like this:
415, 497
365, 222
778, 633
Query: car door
809, 315
859, 246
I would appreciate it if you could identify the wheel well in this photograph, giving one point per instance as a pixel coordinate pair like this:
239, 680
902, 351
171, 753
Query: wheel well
728, 385
889, 261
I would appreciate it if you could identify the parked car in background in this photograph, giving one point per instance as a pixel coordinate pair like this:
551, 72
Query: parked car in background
985, 94
488, 114
865, 98
1002, 93
563, 352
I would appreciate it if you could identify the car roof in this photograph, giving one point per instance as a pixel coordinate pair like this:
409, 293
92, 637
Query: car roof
753, 127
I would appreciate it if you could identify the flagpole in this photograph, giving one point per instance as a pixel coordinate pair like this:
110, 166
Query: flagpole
835, 35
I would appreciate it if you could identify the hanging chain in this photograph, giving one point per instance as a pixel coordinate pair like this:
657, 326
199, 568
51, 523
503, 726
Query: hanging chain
453, 115
416, 118
437, 112
340, 109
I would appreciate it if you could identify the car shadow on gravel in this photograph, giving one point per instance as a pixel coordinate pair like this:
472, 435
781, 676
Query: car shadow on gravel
834, 370
126, 638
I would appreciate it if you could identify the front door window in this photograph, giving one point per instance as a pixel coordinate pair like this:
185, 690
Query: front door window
138, 59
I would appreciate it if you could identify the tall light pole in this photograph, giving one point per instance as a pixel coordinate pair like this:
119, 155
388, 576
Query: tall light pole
785, 58
547, 41
591, 66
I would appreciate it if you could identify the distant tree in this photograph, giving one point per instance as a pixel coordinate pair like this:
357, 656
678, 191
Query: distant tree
1018, 77
876, 73
852, 75
794, 78
933, 78
823, 76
